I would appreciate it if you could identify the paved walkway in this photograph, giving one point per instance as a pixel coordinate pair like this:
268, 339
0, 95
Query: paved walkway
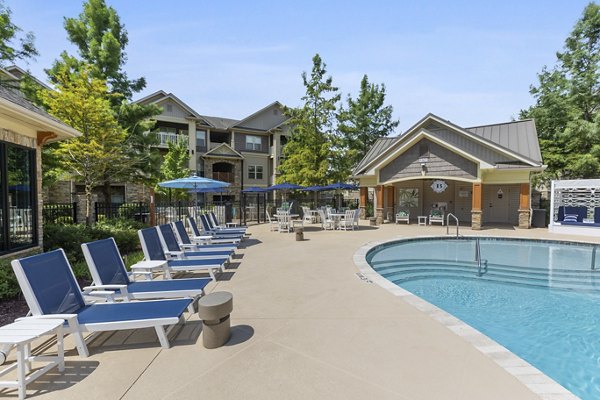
304, 327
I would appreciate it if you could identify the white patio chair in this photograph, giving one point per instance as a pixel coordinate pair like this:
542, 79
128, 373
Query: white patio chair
284, 222
326, 222
273, 223
308, 217
403, 215
347, 222
357, 218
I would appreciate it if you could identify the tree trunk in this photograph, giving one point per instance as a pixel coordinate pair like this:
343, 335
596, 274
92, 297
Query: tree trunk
152, 208
88, 205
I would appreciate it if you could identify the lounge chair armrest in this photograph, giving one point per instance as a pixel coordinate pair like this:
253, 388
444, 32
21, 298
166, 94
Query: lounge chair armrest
104, 287
70, 318
173, 254
189, 246
143, 271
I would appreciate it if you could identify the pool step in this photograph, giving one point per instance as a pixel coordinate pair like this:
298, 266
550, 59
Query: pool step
581, 280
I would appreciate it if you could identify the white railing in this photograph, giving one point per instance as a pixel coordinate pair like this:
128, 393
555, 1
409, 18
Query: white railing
165, 138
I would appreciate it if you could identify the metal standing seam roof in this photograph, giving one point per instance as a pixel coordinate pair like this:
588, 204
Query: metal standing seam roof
518, 136
379, 147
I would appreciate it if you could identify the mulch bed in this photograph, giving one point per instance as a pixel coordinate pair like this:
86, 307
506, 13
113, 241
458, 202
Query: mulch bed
12, 309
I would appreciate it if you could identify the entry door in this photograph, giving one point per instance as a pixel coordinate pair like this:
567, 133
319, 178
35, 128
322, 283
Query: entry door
498, 197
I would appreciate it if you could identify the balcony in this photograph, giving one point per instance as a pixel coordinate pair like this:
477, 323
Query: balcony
224, 176
164, 138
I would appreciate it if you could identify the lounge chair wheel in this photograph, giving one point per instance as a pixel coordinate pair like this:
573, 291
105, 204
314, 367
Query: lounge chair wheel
2, 357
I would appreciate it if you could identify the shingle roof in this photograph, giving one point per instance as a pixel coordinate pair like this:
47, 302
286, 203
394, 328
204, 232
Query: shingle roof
219, 122
16, 97
518, 136
379, 147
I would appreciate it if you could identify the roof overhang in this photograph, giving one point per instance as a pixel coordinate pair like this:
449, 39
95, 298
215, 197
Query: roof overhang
396, 148
49, 129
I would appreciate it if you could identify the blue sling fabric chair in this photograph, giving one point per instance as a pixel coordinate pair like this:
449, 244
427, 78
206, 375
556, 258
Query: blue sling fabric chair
212, 238
200, 245
51, 291
207, 228
153, 250
109, 273
172, 248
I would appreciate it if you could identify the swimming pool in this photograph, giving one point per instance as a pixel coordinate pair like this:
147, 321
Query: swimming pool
539, 299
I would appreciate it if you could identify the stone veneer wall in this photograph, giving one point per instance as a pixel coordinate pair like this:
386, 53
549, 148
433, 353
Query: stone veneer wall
234, 189
26, 141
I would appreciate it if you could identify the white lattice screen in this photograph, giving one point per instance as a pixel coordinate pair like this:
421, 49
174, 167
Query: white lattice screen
575, 193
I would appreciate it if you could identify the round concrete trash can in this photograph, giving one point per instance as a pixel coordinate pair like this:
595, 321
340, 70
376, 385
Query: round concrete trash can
214, 310
299, 234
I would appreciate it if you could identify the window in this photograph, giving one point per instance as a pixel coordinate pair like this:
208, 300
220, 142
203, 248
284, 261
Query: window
253, 143
200, 139
18, 225
255, 172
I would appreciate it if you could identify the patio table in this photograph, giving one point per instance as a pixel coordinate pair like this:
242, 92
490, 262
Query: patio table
336, 217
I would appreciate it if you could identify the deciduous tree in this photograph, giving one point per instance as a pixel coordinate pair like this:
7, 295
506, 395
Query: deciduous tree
15, 45
81, 101
174, 166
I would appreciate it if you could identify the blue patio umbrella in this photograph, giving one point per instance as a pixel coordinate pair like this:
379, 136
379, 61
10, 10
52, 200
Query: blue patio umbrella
338, 186
285, 187
341, 186
193, 183
254, 189
315, 188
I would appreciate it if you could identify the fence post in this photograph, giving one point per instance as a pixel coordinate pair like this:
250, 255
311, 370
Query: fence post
74, 212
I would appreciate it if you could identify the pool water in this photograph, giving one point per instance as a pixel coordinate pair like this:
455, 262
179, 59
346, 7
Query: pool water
541, 300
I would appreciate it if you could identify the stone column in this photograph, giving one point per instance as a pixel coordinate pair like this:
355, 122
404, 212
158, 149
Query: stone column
379, 204
389, 206
364, 192
524, 206
192, 145
476, 212
81, 208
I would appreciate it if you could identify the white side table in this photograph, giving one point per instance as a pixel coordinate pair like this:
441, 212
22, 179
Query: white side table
422, 220
148, 267
21, 334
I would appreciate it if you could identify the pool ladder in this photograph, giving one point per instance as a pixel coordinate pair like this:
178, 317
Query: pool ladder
482, 265
448, 223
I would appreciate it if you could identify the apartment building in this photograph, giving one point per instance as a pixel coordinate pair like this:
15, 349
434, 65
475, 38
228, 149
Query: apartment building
242, 152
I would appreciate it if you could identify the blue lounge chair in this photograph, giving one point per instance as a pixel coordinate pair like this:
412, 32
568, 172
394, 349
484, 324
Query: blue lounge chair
217, 239
109, 273
185, 240
214, 224
51, 291
173, 249
153, 251
207, 229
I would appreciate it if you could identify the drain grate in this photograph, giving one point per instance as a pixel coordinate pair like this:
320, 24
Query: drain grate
363, 278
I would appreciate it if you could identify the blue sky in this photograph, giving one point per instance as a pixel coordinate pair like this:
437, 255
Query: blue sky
471, 62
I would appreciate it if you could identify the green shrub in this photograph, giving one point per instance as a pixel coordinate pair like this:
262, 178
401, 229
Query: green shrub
9, 287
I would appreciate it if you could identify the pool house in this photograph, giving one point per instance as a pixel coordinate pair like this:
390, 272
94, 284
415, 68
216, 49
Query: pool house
481, 174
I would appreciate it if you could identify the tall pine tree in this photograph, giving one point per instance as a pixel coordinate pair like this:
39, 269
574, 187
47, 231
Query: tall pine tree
310, 149
568, 103
364, 120
101, 39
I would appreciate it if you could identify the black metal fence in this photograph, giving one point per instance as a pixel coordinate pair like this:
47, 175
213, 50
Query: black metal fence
250, 209
60, 213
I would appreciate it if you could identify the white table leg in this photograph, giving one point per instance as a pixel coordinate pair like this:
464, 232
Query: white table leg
21, 370
60, 345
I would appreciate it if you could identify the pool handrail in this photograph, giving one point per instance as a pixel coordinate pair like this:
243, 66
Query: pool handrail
448, 223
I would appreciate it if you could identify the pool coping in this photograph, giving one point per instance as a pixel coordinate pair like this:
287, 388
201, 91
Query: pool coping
534, 379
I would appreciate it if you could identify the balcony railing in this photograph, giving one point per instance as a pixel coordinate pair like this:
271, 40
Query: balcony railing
224, 176
165, 138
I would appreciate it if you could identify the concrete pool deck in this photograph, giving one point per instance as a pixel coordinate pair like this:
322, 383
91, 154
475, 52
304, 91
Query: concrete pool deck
304, 327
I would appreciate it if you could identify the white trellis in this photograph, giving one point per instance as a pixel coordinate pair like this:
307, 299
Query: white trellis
575, 193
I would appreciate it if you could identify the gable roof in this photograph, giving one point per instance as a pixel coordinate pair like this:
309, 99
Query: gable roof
519, 136
276, 104
220, 122
491, 136
379, 147
223, 150
161, 95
